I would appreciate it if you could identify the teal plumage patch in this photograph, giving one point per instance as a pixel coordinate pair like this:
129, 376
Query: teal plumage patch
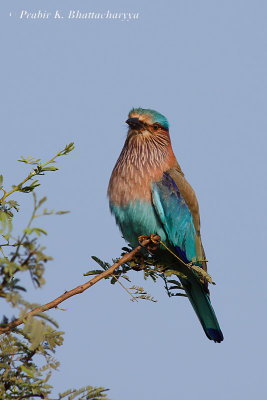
175, 216
137, 218
168, 216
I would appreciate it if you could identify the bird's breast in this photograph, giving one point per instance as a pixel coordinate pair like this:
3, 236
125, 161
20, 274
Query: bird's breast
132, 177
129, 185
130, 188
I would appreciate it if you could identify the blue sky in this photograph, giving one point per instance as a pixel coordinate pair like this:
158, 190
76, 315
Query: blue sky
203, 65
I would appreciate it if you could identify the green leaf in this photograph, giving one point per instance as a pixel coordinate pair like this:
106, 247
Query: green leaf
28, 231
68, 149
39, 231
29, 160
28, 371
93, 272
102, 264
201, 273
179, 294
42, 201
6, 236
176, 283
28, 189
174, 287
3, 220
49, 168
126, 277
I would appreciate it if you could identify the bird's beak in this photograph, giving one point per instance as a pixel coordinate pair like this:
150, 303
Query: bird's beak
135, 123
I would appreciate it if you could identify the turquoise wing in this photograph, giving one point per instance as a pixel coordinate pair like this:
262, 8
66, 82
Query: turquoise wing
177, 221
175, 217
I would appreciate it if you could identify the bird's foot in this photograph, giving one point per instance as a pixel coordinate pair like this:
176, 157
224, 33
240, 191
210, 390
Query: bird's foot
142, 238
154, 242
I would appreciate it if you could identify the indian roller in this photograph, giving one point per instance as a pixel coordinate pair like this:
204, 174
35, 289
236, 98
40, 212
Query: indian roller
148, 194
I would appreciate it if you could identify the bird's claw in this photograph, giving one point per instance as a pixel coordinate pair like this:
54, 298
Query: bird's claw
154, 242
142, 238
155, 239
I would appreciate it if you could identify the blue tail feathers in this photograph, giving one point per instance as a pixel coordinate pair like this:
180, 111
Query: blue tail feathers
215, 335
200, 301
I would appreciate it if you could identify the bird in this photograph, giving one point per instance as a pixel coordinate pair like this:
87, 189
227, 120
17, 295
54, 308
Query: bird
149, 194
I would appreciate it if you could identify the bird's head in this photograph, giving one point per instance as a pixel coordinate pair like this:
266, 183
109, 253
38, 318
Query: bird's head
147, 124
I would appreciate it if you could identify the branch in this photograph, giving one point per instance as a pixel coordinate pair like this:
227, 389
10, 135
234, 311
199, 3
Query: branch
144, 241
36, 171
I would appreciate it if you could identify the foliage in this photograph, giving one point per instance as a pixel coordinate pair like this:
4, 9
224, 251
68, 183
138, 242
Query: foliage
27, 354
27, 351
147, 264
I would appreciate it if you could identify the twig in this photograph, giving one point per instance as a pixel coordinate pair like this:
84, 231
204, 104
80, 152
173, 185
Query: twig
200, 271
79, 289
125, 288
37, 171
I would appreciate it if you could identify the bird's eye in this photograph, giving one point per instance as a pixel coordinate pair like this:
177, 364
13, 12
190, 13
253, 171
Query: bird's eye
155, 127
